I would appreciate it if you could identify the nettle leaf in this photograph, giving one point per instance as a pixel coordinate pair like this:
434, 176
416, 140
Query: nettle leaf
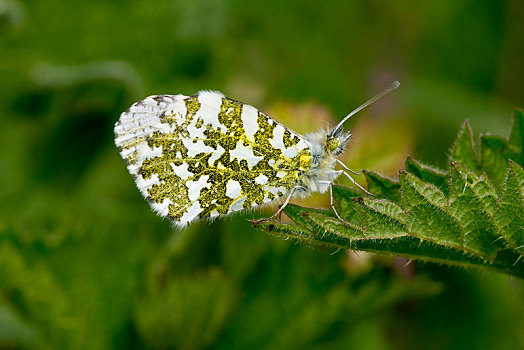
429, 174
470, 216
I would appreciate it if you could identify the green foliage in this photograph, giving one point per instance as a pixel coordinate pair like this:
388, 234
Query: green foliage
471, 217
85, 264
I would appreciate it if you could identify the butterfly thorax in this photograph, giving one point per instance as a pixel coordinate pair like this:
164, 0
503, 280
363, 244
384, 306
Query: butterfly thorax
324, 147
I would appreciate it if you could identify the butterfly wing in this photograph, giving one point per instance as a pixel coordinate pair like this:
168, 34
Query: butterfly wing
206, 155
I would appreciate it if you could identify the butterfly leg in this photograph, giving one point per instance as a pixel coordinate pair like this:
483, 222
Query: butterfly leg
354, 182
330, 183
279, 211
345, 167
351, 178
335, 210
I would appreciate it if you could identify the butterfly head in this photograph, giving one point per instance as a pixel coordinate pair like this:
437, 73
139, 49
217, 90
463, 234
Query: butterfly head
337, 141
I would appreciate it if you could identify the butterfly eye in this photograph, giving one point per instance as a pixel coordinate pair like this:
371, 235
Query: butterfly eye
332, 144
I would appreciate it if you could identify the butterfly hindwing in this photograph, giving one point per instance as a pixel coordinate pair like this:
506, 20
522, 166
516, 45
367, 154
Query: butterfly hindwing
206, 155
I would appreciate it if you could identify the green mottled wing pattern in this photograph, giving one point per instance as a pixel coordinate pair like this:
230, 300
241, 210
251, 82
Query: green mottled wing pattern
206, 155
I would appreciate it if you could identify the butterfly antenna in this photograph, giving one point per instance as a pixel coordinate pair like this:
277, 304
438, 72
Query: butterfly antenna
390, 88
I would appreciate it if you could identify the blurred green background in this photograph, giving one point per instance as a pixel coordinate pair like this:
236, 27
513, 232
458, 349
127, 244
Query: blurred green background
84, 263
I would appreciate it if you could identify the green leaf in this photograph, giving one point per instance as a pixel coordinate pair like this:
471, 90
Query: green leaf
510, 215
473, 216
493, 157
286, 231
427, 173
515, 150
496, 150
382, 187
463, 150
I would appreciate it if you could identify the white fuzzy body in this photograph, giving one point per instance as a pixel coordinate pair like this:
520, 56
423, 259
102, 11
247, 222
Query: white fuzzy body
322, 170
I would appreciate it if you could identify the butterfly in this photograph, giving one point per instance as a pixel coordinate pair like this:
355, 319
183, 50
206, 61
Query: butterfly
206, 155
